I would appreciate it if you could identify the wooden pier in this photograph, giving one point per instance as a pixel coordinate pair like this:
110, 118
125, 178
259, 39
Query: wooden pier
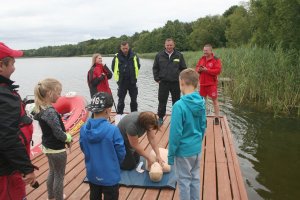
221, 177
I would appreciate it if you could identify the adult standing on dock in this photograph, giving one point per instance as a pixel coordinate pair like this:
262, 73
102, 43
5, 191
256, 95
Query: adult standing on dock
125, 67
166, 68
209, 67
98, 76
16, 168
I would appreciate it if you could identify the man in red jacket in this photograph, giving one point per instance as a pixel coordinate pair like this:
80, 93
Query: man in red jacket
209, 67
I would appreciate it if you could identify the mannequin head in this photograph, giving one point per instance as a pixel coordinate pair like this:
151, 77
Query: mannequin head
156, 172
164, 155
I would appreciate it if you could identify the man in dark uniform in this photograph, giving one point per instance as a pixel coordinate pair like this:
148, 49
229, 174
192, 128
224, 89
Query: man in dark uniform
125, 67
166, 68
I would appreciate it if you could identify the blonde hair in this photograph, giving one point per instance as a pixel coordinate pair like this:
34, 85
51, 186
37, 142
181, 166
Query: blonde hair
94, 58
43, 91
190, 77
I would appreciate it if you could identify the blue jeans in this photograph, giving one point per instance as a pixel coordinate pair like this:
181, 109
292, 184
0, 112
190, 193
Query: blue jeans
188, 177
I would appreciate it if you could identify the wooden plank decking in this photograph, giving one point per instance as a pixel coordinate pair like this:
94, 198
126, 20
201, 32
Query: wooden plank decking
221, 176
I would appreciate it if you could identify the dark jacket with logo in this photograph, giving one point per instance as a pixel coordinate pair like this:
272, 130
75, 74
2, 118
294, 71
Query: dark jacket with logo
13, 155
126, 66
168, 69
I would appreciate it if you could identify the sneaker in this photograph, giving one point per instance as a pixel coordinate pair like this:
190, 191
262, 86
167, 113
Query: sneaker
217, 121
85, 180
160, 121
117, 119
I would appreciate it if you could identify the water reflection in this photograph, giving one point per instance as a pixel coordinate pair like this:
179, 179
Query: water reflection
268, 148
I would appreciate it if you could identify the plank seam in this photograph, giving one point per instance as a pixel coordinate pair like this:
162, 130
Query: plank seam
235, 161
204, 157
214, 138
230, 178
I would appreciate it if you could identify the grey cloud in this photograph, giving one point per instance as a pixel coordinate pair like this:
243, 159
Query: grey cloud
32, 23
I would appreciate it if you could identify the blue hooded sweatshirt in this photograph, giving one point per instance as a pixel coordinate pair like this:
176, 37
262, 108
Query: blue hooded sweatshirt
104, 150
188, 123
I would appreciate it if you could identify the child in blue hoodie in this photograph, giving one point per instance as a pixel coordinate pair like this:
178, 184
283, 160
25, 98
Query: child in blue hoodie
188, 123
103, 148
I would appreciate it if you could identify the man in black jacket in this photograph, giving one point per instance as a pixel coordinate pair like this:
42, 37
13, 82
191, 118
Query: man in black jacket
15, 165
125, 67
166, 68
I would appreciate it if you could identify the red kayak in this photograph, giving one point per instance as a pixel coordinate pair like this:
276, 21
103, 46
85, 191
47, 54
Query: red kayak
72, 108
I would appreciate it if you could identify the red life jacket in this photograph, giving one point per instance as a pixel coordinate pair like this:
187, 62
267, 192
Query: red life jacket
25, 123
26, 127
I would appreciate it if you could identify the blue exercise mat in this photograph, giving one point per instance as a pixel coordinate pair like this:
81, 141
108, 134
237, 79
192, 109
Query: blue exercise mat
134, 179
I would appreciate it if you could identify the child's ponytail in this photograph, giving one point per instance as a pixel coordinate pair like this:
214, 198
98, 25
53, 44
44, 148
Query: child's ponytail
43, 91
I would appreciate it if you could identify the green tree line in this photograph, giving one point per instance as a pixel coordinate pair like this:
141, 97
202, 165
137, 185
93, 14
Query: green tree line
263, 23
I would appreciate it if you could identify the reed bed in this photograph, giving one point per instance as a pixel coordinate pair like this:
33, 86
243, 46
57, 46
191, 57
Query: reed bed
268, 79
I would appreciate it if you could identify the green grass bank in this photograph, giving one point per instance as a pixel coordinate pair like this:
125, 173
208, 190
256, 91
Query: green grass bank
265, 78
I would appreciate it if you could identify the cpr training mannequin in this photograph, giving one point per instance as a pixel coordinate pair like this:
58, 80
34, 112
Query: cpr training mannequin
156, 170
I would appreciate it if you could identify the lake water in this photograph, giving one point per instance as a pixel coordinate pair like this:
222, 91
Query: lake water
268, 148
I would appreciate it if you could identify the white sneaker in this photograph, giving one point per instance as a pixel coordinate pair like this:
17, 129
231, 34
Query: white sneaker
117, 119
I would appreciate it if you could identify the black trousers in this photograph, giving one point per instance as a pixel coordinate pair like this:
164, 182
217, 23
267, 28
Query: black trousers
131, 159
125, 86
163, 94
109, 192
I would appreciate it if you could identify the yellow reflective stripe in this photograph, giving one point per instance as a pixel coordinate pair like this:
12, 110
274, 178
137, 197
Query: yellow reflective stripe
136, 67
116, 68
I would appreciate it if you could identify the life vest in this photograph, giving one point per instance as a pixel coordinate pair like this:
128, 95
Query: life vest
25, 123
26, 127
116, 67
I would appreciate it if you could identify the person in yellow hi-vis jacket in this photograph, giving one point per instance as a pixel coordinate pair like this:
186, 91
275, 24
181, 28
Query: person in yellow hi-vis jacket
125, 67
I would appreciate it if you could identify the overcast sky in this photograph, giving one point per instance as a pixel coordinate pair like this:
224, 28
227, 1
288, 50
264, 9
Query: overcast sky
26, 24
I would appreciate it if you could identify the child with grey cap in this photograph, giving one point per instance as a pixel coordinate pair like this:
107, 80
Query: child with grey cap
103, 148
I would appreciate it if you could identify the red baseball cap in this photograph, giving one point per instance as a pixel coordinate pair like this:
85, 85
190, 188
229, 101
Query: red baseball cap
5, 51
